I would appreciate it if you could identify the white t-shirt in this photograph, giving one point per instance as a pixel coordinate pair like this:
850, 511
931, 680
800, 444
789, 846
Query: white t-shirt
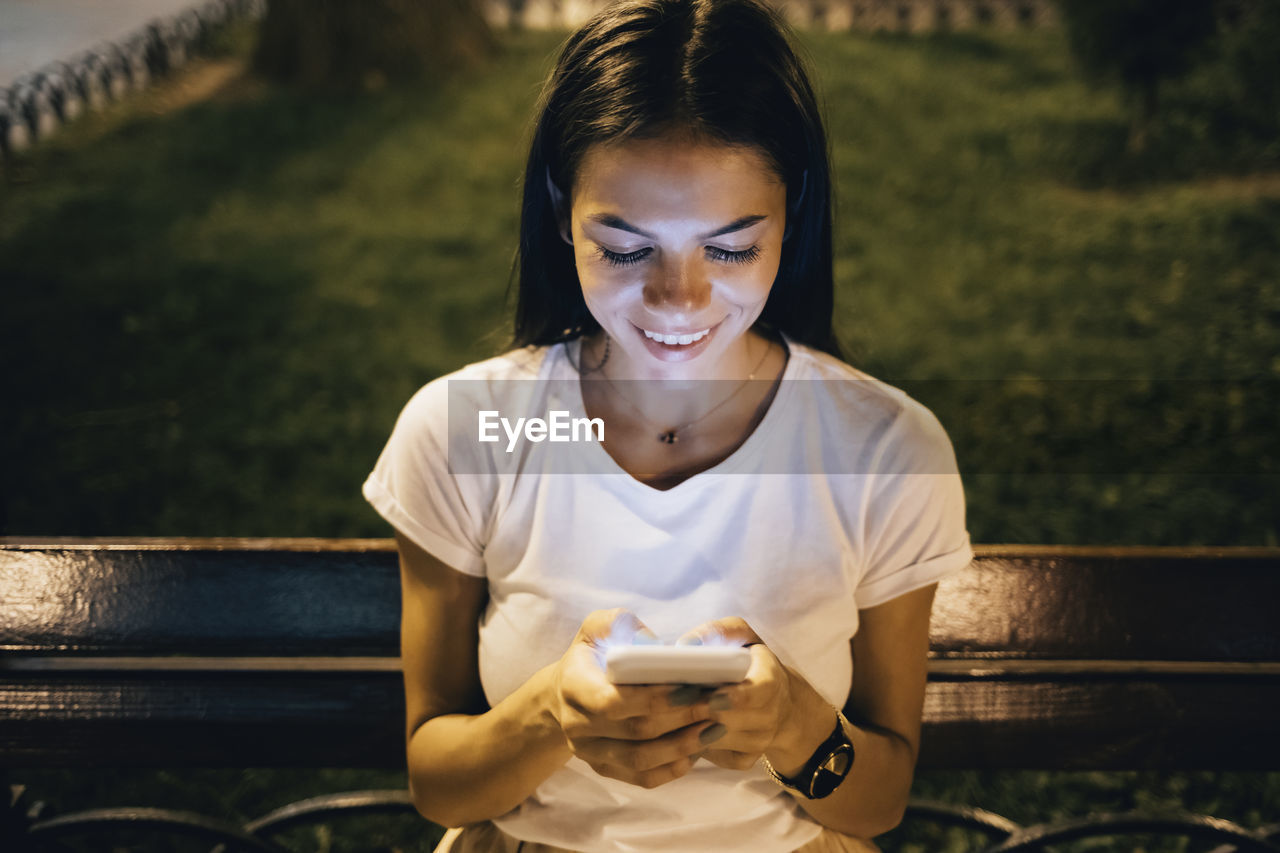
845, 496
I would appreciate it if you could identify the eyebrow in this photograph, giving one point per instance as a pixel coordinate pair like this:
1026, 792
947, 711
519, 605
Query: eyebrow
610, 221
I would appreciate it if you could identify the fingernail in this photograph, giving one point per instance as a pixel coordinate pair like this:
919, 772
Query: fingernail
685, 695
691, 641
712, 733
645, 638
720, 702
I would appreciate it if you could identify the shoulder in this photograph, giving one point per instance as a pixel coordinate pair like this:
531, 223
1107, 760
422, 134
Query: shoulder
888, 430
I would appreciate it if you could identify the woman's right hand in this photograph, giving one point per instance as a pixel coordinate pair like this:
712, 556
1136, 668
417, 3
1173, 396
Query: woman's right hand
646, 735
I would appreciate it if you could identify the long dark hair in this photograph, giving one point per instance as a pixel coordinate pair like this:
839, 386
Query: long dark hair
723, 70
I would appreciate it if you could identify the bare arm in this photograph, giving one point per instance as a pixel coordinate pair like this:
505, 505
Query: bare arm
885, 706
467, 762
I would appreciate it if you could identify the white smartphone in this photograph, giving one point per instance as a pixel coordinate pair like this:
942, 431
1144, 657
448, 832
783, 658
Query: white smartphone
676, 664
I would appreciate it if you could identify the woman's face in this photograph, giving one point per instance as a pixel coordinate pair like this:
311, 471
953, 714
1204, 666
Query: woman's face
677, 244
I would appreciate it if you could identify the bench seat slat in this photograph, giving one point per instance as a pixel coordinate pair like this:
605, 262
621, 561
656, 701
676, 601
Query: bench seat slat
335, 719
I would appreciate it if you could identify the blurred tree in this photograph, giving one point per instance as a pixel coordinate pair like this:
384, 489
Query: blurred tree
345, 43
1140, 44
1249, 39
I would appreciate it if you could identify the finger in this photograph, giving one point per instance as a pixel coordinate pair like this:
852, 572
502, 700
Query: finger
746, 740
618, 625
731, 631
732, 759
586, 688
759, 689
588, 691
736, 631
646, 713
653, 726
640, 756
759, 719
597, 698
647, 778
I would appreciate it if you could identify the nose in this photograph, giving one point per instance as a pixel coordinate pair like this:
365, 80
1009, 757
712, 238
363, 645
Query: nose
678, 286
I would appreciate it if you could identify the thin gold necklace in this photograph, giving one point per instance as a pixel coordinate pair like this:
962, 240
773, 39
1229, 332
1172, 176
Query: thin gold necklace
671, 436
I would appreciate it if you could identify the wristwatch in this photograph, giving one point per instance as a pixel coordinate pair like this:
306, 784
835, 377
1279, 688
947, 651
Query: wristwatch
825, 769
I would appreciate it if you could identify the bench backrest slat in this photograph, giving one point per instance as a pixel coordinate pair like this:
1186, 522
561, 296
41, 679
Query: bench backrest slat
189, 597
198, 599
284, 653
1174, 604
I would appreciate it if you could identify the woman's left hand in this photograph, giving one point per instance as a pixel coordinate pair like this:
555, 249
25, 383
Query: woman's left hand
757, 709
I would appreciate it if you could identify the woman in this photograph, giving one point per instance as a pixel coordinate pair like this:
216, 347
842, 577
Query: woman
750, 488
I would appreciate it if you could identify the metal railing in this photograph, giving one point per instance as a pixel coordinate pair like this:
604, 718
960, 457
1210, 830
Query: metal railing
35, 105
1001, 834
837, 15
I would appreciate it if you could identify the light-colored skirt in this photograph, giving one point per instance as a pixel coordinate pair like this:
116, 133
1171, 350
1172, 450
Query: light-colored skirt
487, 838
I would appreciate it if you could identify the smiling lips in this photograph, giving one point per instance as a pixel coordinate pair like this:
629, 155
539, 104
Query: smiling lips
676, 339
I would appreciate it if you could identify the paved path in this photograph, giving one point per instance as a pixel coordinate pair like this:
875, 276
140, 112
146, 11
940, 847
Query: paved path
34, 32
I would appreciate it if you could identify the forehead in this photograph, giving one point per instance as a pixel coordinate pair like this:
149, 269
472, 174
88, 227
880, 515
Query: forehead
676, 174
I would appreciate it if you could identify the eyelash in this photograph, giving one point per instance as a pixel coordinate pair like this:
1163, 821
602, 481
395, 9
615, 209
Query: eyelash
625, 260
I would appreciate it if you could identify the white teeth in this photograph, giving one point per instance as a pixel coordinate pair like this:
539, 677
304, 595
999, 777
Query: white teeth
676, 339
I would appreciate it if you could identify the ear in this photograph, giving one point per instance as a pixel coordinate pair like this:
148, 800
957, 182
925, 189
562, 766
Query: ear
793, 209
560, 208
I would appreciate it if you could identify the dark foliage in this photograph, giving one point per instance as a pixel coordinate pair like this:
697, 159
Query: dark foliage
1140, 44
350, 43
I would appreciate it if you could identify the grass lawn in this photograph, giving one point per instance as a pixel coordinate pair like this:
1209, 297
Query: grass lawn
214, 311
218, 296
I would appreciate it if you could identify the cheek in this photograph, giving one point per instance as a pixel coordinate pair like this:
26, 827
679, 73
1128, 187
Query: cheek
601, 283
593, 288
588, 275
755, 282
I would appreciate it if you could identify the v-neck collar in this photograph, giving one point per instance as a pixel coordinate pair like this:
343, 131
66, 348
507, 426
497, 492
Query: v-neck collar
568, 354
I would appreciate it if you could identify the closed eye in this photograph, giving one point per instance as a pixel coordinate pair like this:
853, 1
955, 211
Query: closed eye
746, 256
621, 259
624, 260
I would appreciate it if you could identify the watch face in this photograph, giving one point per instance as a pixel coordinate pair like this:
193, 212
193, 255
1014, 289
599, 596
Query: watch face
832, 771
837, 763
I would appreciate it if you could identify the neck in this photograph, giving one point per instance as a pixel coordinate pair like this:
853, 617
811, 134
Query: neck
672, 402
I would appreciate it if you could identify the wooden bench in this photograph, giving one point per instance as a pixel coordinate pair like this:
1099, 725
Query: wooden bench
284, 653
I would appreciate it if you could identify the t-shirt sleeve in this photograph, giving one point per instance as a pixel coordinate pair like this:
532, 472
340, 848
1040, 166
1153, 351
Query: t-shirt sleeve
915, 511
414, 488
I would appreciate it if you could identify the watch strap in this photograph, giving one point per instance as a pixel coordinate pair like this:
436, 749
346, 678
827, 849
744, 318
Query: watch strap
825, 769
